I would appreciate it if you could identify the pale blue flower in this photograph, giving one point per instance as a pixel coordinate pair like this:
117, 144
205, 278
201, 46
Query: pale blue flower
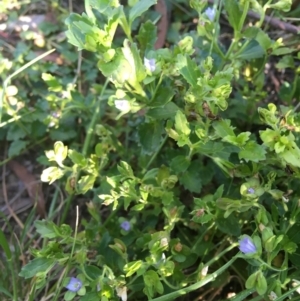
210, 13
149, 64
74, 285
250, 190
246, 245
125, 225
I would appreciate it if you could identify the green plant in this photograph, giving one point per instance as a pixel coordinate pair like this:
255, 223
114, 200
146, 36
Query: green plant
176, 155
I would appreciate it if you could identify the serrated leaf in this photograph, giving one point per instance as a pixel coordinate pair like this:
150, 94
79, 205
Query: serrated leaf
147, 37
180, 163
223, 128
234, 13
16, 147
191, 180
187, 69
46, 228
253, 152
125, 169
181, 124
291, 156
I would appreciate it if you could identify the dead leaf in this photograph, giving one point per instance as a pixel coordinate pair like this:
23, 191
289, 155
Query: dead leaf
162, 25
34, 188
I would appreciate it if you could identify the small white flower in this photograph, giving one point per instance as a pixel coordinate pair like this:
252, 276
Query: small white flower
149, 64
210, 13
272, 296
164, 242
122, 292
204, 271
122, 105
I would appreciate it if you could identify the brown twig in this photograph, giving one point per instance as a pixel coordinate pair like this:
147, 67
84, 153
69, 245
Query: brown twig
274, 22
162, 25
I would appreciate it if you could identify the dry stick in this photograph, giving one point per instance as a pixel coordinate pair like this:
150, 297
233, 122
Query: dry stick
274, 22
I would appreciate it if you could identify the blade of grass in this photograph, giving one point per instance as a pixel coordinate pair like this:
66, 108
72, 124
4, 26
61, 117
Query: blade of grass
8, 79
4, 244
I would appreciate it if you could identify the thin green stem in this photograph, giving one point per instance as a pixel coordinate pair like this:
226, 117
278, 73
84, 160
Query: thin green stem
85, 274
66, 208
218, 256
95, 116
244, 15
169, 284
201, 236
197, 285
270, 267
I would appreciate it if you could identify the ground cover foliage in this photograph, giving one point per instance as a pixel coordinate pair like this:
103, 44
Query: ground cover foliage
178, 164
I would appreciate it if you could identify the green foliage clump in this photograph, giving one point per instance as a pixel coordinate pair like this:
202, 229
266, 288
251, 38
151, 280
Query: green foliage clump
184, 163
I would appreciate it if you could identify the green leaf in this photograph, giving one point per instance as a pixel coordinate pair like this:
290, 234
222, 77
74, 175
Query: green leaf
52, 82
252, 51
46, 229
86, 183
15, 132
234, 13
261, 284
91, 296
93, 271
191, 179
223, 128
291, 156
147, 37
284, 5
139, 8
188, 69
180, 163
16, 147
229, 225
118, 69
239, 140
162, 97
131, 53
181, 124
150, 135
251, 281
77, 158
165, 112
264, 40
132, 267
253, 152
77, 26
37, 265
125, 169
